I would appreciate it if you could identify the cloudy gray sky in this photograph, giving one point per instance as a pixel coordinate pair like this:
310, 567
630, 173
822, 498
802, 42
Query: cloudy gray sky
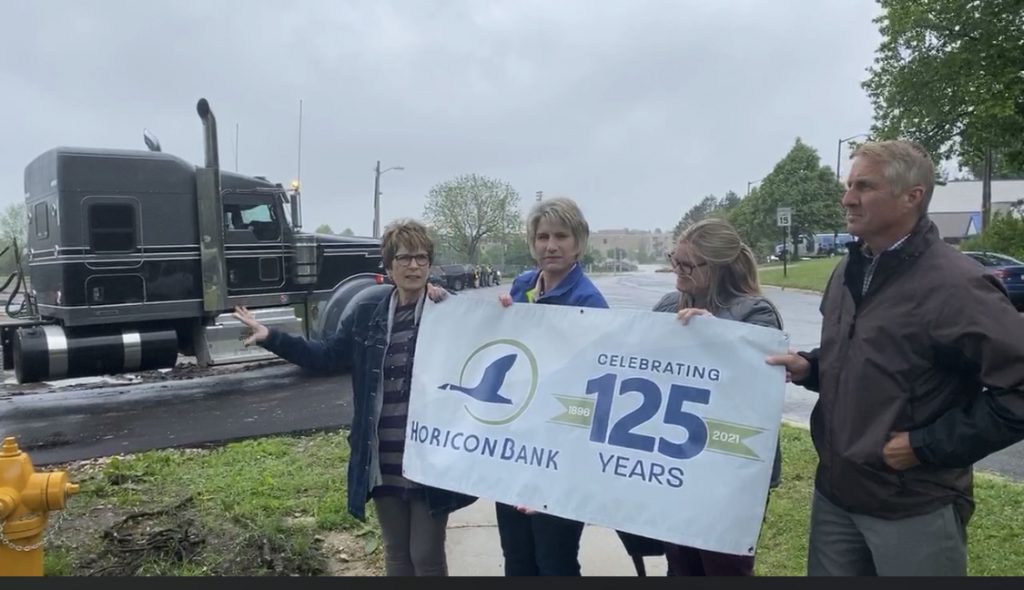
636, 108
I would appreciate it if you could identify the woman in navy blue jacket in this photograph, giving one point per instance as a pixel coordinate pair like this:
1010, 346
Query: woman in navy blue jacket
533, 543
379, 338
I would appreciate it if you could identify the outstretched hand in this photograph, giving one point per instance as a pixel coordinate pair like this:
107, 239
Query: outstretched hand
505, 299
259, 331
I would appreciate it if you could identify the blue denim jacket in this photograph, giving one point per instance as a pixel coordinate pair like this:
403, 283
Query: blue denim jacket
575, 289
360, 342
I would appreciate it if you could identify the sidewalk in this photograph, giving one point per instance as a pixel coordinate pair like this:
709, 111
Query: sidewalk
474, 549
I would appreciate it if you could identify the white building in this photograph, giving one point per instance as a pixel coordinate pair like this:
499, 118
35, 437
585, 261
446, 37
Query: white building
956, 206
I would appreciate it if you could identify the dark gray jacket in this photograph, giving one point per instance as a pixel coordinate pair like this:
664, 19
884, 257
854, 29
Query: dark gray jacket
934, 348
752, 310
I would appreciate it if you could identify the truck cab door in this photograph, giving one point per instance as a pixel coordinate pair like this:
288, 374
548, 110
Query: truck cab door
254, 243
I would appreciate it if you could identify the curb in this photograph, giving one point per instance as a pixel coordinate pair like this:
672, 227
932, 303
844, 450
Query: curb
794, 289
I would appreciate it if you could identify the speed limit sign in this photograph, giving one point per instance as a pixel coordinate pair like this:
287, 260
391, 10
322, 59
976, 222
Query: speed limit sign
783, 215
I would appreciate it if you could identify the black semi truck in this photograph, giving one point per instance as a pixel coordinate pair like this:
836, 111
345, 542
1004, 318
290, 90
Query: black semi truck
137, 256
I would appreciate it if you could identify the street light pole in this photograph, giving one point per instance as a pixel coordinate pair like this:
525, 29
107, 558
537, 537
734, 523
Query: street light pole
376, 201
839, 151
377, 172
751, 182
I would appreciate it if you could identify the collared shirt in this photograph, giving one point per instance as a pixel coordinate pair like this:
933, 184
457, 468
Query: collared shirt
870, 272
575, 289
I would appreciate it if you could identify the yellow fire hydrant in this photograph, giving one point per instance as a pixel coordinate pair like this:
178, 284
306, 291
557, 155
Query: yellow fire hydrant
26, 499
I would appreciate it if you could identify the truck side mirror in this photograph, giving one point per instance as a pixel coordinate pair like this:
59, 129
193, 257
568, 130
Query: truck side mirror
151, 141
296, 204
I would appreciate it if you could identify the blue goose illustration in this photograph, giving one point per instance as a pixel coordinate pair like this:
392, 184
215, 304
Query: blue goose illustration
490, 383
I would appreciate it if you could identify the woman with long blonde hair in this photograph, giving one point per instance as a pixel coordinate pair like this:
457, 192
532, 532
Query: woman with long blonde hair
716, 274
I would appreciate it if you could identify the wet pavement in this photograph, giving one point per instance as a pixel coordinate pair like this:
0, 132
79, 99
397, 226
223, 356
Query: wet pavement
64, 421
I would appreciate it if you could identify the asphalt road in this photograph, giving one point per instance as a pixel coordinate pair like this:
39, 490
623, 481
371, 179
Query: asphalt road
86, 420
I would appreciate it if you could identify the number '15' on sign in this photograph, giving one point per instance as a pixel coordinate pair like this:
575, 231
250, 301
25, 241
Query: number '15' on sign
621, 433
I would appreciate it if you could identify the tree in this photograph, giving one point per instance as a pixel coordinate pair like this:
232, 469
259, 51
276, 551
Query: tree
1002, 168
705, 208
348, 232
709, 206
593, 256
800, 182
948, 75
517, 252
727, 203
471, 208
13, 226
643, 251
324, 229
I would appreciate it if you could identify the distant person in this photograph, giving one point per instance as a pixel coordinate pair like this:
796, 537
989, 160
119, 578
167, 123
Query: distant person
380, 339
919, 375
716, 275
534, 543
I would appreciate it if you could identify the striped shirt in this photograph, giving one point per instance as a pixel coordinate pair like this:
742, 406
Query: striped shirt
394, 413
873, 263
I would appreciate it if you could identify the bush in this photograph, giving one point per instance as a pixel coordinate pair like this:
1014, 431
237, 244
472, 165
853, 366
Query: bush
1004, 235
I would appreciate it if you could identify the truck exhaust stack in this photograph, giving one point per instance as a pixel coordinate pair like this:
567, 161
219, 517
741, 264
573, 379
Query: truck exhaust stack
211, 217
209, 133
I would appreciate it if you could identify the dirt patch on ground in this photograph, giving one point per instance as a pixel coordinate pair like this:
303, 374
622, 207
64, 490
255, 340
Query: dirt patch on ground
345, 555
97, 537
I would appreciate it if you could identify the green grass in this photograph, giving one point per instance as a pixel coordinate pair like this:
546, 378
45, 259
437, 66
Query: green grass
280, 496
995, 534
810, 274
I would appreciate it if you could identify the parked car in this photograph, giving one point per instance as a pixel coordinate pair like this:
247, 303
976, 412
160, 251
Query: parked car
1009, 270
454, 277
436, 277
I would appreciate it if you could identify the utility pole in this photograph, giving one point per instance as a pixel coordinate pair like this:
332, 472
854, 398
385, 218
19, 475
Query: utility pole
986, 191
839, 153
236, 147
377, 172
376, 201
298, 172
751, 183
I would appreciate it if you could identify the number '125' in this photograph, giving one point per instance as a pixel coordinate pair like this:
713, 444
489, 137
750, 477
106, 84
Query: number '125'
622, 434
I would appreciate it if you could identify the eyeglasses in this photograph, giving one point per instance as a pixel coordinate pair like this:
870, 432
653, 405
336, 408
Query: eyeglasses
683, 268
406, 259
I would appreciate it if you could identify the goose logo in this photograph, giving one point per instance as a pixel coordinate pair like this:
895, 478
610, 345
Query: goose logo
500, 380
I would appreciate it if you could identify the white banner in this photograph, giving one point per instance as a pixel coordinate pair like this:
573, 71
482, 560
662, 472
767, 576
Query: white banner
619, 418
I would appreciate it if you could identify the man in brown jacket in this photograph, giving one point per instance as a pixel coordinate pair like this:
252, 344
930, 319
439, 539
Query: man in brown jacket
920, 373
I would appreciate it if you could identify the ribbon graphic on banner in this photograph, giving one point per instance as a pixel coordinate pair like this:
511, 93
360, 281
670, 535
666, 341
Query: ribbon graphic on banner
578, 412
726, 437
